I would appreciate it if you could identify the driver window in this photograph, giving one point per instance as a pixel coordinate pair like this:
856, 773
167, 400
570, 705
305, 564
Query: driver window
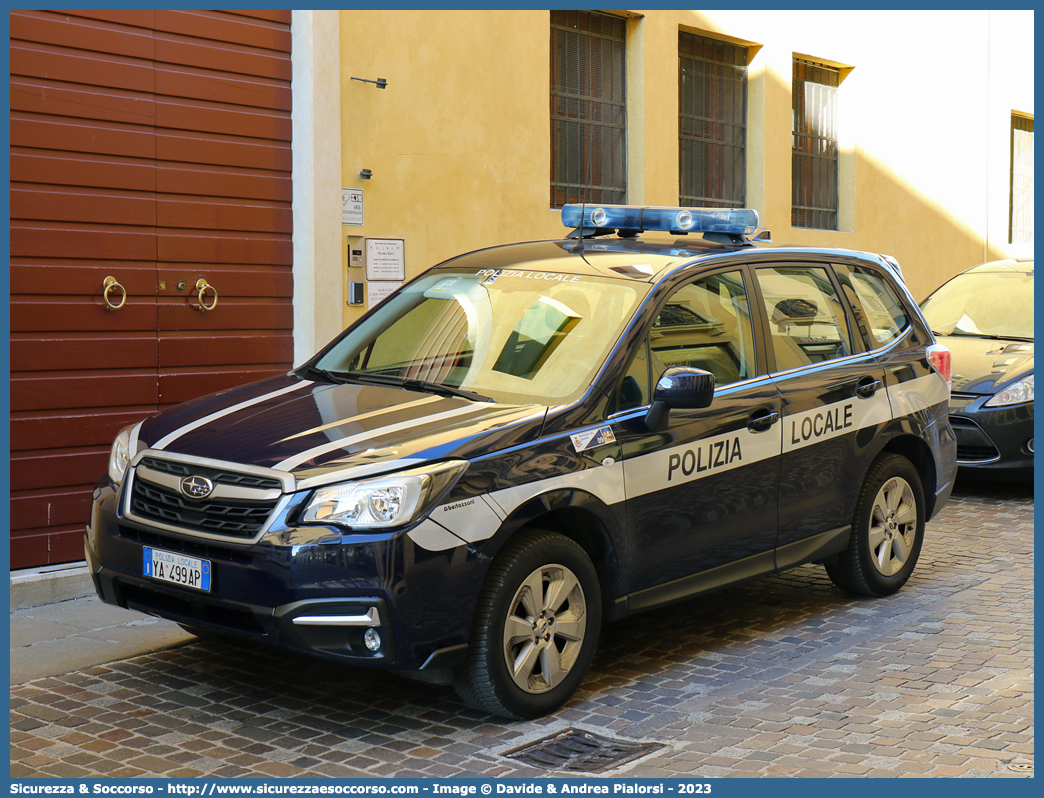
705, 324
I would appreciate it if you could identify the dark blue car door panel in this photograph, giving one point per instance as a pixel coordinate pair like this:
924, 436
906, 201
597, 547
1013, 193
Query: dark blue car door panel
702, 493
832, 417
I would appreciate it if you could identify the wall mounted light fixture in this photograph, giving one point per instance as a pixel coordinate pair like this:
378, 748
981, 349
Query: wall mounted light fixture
380, 83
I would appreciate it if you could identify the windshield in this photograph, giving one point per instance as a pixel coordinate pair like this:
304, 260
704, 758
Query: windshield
983, 303
519, 337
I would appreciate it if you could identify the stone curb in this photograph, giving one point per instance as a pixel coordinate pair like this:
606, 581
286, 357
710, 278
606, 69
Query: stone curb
49, 584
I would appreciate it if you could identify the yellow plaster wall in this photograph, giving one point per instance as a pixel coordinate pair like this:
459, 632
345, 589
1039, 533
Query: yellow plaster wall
459, 141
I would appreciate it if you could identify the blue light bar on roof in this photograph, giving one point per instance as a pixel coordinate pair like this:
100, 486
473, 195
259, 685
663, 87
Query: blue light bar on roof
736, 221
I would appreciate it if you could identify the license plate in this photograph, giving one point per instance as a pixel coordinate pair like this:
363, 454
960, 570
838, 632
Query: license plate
177, 569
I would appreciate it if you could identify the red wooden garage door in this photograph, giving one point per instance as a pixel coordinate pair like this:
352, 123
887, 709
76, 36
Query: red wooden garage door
152, 147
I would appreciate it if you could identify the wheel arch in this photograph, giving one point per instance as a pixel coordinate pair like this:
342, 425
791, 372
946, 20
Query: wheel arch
578, 515
920, 455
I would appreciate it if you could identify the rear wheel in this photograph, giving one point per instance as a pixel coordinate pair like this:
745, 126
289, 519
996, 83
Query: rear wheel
887, 530
535, 631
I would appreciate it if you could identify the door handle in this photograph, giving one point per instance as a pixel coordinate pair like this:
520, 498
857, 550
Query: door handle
108, 285
867, 389
203, 286
762, 422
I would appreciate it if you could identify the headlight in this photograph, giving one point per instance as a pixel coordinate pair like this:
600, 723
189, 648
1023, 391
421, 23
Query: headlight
120, 455
383, 502
1014, 394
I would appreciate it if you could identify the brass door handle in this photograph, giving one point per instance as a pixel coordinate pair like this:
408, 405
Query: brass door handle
108, 285
202, 286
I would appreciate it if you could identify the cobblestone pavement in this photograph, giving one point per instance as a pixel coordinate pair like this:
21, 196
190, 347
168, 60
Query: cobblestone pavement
781, 677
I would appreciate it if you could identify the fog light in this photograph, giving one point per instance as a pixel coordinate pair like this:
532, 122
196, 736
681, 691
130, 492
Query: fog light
372, 639
1029, 445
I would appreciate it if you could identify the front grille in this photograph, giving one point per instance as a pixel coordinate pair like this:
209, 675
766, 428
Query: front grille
973, 444
215, 475
976, 454
241, 517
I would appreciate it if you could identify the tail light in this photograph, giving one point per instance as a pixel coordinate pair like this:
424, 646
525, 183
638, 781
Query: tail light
939, 357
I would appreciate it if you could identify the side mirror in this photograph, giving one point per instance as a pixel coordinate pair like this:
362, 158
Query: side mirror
681, 387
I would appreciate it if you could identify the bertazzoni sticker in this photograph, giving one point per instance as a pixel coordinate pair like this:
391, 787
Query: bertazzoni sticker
588, 439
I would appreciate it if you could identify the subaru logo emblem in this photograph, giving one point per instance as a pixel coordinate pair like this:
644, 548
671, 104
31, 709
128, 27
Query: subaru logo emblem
197, 487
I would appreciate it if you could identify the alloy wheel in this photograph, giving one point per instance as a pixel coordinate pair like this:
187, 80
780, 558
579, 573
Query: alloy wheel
545, 627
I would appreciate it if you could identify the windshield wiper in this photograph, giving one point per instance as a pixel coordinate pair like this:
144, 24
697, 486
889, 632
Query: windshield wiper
315, 371
420, 385
446, 390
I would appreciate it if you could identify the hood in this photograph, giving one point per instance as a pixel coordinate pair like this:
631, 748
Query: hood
312, 429
983, 365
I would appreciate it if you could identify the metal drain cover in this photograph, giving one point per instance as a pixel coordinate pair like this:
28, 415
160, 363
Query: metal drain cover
580, 751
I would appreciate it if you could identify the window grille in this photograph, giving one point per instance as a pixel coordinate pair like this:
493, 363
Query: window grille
712, 122
814, 169
588, 108
1020, 222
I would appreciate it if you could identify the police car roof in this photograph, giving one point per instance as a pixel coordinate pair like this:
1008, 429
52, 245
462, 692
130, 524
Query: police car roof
632, 258
638, 259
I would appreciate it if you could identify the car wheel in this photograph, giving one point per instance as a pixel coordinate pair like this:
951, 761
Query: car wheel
887, 530
535, 629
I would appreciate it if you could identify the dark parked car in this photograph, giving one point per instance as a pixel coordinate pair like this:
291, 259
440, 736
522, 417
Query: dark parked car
528, 439
985, 317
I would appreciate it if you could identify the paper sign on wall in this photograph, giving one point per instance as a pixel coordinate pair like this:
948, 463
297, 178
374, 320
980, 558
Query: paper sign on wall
377, 292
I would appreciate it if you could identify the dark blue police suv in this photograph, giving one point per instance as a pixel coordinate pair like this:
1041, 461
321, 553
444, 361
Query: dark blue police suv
528, 440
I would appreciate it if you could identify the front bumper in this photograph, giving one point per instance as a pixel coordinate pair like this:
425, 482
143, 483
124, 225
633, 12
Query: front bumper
308, 589
993, 441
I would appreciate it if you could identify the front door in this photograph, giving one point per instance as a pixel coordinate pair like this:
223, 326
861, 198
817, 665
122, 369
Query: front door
701, 495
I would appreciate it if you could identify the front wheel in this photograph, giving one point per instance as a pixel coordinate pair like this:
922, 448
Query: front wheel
887, 530
535, 631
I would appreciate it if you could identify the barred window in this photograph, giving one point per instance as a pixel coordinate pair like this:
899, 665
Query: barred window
588, 108
712, 122
814, 169
1020, 222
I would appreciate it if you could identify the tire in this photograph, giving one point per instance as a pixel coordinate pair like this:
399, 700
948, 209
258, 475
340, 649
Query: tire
887, 530
535, 630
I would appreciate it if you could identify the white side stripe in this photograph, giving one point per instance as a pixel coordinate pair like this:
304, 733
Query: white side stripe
169, 439
303, 457
830, 421
919, 394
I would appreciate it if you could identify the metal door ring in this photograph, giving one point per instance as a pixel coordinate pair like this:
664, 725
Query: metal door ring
202, 285
109, 284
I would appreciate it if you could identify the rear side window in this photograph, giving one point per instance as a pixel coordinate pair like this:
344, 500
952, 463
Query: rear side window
881, 315
807, 324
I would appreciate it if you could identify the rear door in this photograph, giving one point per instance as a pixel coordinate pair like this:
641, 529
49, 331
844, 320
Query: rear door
833, 404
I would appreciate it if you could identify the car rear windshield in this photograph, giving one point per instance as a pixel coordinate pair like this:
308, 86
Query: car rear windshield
516, 336
985, 304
